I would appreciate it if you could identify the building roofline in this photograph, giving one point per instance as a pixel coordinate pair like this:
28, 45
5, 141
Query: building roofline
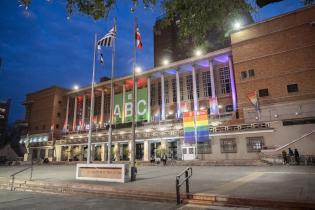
153, 70
273, 18
45, 89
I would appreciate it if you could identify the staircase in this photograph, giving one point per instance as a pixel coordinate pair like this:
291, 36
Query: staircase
273, 156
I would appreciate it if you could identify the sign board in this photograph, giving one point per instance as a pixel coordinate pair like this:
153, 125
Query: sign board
103, 172
125, 110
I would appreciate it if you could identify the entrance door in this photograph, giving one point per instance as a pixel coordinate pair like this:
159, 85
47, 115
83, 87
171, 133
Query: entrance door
188, 153
139, 151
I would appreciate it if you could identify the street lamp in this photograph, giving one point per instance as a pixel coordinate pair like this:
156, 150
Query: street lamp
237, 25
76, 87
138, 69
198, 52
166, 61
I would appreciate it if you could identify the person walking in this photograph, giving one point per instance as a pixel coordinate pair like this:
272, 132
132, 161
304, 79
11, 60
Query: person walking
164, 159
291, 155
285, 158
296, 156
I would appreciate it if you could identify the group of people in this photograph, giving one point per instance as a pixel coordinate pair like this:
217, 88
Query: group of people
157, 160
294, 157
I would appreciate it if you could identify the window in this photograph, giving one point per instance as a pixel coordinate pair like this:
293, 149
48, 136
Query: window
152, 94
57, 126
263, 92
228, 145
229, 108
255, 144
44, 127
106, 103
204, 147
174, 90
292, 88
59, 102
206, 80
244, 74
58, 114
189, 87
181, 87
166, 98
159, 93
251, 73
225, 80
197, 85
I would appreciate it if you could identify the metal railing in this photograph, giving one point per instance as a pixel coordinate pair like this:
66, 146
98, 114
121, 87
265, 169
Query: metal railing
14, 174
188, 174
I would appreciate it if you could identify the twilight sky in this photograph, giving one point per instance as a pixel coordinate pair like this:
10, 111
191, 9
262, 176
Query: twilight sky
45, 49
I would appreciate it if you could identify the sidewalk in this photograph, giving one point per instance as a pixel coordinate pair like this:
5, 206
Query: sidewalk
283, 183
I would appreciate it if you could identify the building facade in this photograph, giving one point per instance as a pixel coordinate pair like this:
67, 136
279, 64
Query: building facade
4, 116
274, 59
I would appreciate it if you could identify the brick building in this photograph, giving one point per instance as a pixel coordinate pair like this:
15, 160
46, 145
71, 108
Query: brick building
274, 59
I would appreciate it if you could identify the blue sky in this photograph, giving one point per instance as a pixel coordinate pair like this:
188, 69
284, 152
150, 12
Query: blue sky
45, 48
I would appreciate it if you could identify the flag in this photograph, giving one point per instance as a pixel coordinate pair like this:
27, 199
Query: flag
138, 38
108, 39
252, 97
213, 101
101, 58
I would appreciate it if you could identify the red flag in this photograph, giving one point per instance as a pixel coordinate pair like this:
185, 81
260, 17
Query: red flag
138, 39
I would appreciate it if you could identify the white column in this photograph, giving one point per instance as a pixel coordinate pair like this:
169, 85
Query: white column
103, 152
102, 109
149, 98
74, 124
178, 94
195, 95
212, 79
162, 97
232, 84
67, 115
123, 103
83, 111
146, 151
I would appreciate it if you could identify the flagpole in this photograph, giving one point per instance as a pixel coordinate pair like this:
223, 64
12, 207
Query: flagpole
92, 105
133, 141
110, 131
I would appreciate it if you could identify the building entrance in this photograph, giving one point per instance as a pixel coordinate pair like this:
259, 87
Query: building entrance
139, 151
188, 152
154, 146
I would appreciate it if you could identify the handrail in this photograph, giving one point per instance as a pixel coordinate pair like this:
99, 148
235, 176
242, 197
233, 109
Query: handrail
179, 184
14, 174
293, 141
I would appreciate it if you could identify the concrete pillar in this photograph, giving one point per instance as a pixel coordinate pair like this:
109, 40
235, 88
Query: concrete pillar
149, 98
67, 116
83, 112
92, 152
233, 89
117, 151
74, 124
46, 152
162, 97
69, 152
102, 109
103, 152
146, 152
178, 94
58, 153
212, 79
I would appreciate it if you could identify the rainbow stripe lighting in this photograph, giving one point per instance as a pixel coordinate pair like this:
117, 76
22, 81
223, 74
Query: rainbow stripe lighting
202, 126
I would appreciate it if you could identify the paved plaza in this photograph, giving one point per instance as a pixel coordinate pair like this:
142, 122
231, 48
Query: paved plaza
288, 183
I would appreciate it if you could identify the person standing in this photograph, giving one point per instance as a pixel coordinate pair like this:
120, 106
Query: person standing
296, 156
291, 155
285, 158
